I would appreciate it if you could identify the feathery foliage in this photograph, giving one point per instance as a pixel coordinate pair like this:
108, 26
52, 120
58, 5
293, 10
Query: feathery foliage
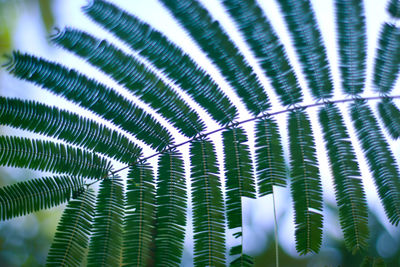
208, 206
271, 168
26, 197
305, 185
72, 236
92, 95
352, 44
390, 115
143, 222
171, 209
380, 159
67, 126
140, 216
48, 156
164, 54
350, 195
105, 247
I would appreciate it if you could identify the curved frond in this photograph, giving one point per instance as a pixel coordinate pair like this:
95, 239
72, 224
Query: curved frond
208, 206
134, 76
387, 61
390, 115
168, 57
267, 48
350, 20
305, 185
171, 209
92, 95
140, 218
270, 163
52, 157
394, 8
67, 126
380, 159
350, 196
72, 236
29, 196
105, 247
221, 50
307, 40
238, 174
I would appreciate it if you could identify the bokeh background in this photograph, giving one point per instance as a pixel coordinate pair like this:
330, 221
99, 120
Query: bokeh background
24, 241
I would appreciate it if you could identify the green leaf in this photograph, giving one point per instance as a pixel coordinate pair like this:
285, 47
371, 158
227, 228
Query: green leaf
270, 163
307, 40
243, 260
67, 126
238, 173
208, 206
140, 218
305, 185
105, 247
214, 41
390, 115
350, 196
171, 209
351, 27
166, 56
29, 196
394, 8
267, 48
92, 95
387, 61
72, 237
52, 157
380, 159
134, 76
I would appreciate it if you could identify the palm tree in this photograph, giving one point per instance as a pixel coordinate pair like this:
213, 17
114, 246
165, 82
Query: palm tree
137, 218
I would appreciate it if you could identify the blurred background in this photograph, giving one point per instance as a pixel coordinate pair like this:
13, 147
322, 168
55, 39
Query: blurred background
24, 241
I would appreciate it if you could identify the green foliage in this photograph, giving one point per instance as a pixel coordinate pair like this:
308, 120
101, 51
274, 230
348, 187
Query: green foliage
25, 197
140, 217
305, 185
105, 247
72, 236
143, 222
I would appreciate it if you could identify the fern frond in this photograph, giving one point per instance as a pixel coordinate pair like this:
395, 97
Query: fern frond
270, 163
307, 40
380, 159
167, 56
171, 209
33, 195
105, 246
243, 260
52, 157
72, 236
140, 218
208, 206
394, 8
134, 76
92, 95
390, 115
267, 48
238, 173
67, 126
221, 50
387, 61
305, 185
350, 21
350, 196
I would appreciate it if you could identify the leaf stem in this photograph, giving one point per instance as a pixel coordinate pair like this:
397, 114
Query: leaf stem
321, 103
